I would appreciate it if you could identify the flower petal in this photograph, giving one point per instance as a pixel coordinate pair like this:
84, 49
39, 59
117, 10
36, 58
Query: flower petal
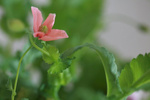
55, 34
38, 34
37, 18
49, 22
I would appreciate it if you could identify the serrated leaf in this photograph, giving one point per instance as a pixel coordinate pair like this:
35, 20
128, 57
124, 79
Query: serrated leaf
53, 52
57, 64
56, 79
135, 74
110, 67
56, 67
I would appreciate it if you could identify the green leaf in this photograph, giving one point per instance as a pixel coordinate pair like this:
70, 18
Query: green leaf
109, 65
60, 75
57, 64
135, 74
65, 77
56, 67
53, 52
55, 81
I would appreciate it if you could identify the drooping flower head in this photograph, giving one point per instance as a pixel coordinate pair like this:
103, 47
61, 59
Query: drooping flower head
44, 30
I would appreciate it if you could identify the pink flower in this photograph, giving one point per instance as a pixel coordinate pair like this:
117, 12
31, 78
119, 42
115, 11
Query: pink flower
44, 30
138, 95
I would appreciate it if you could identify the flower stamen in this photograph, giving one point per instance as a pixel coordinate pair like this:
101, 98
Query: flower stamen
43, 28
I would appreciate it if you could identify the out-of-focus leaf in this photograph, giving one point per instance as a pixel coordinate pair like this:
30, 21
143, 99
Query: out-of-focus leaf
16, 25
143, 28
65, 76
55, 81
110, 67
87, 94
135, 74
70, 51
14, 20
9, 85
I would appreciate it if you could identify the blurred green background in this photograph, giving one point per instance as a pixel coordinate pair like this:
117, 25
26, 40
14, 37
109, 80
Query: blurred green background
82, 20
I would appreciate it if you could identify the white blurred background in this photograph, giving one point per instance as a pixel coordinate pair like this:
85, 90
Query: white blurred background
123, 37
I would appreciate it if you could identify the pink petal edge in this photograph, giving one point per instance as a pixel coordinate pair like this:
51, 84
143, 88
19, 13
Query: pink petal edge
55, 34
49, 22
37, 18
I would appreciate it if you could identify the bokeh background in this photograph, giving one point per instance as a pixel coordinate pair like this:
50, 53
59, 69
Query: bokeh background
122, 33
121, 26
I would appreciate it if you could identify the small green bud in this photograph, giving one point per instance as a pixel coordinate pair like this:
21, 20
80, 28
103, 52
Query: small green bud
16, 25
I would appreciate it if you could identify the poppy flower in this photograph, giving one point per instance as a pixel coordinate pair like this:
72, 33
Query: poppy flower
44, 30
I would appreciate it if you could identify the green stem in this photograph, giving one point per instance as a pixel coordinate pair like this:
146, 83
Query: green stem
15, 85
43, 51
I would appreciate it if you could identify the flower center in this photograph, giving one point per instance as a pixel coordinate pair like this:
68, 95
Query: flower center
43, 28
